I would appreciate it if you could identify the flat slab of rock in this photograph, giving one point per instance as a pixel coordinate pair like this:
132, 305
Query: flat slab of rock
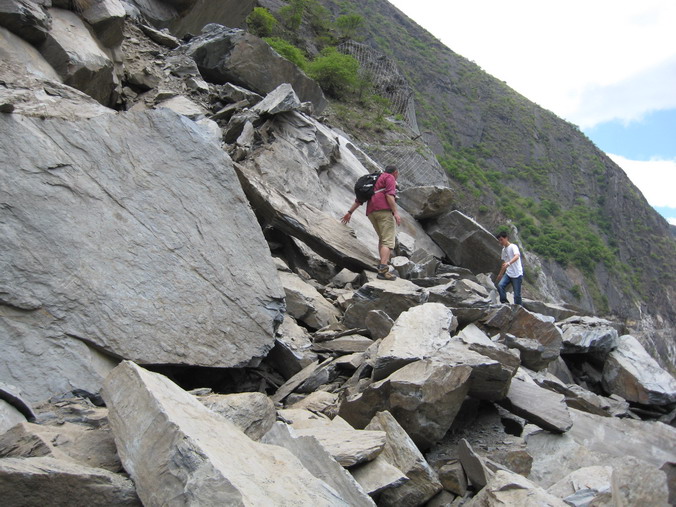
537, 405
305, 303
319, 462
466, 242
147, 299
321, 232
391, 297
253, 413
178, 451
417, 334
49, 481
630, 372
507, 488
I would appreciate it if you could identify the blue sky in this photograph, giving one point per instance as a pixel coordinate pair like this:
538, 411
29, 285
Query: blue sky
608, 66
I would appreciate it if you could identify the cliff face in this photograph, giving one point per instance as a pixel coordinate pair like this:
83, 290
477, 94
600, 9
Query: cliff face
597, 237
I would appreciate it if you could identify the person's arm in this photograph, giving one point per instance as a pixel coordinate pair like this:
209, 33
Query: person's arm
348, 215
393, 206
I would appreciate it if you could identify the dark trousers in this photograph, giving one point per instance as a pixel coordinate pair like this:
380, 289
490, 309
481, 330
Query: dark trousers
516, 286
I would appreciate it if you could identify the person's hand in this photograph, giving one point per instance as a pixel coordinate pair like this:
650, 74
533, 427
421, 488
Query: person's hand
397, 218
346, 217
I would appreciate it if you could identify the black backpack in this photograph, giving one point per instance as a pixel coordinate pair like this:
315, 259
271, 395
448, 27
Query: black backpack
365, 186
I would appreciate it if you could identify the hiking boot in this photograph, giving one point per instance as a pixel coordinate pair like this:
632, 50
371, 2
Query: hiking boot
384, 273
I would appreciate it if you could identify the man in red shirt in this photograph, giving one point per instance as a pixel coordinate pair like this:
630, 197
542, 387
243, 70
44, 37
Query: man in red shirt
381, 210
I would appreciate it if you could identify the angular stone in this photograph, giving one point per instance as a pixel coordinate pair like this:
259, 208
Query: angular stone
78, 59
378, 475
465, 242
179, 256
479, 342
417, 334
461, 294
106, 17
508, 488
378, 323
473, 465
630, 372
453, 478
559, 312
423, 396
75, 443
291, 352
581, 399
280, 100
161, 37
537, 405
182, 105
489, 380
345, 344
523, 324
426, 201
319, 462
178, 451
323, 233
231, 55
595, 337
306, 304
292, 384
318, 402
9, 417
27, 19
393, 298
253, 413
585, 485
50, 481
401, 452
345, 444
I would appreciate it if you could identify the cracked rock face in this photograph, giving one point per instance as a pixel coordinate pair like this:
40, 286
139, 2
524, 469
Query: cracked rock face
135, 241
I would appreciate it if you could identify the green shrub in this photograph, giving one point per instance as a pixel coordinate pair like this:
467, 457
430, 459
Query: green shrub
335, 72
349, 25
260, 22
288, 51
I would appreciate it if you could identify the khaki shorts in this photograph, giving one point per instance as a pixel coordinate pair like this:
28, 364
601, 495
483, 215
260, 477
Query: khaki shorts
385, 226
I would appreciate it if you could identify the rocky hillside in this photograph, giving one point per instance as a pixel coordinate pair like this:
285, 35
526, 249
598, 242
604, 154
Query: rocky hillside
184, 319
597, 239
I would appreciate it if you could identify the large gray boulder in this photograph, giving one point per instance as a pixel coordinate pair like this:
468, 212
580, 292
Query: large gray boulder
177, 451
417, 334
424, 397
630, 372
231, 55
426, 201
391, 297
135, 267
75, 54
465, 242
587, 335
535, 335
27, 18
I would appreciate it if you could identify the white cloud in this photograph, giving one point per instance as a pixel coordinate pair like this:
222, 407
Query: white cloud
580, 59
656, 179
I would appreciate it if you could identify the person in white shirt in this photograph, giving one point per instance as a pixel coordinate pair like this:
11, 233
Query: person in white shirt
511, 270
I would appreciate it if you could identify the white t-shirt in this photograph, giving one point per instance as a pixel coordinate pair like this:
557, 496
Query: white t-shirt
513, 270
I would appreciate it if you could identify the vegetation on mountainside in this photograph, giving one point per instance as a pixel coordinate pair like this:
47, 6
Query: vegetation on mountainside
261, 22
506, 154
